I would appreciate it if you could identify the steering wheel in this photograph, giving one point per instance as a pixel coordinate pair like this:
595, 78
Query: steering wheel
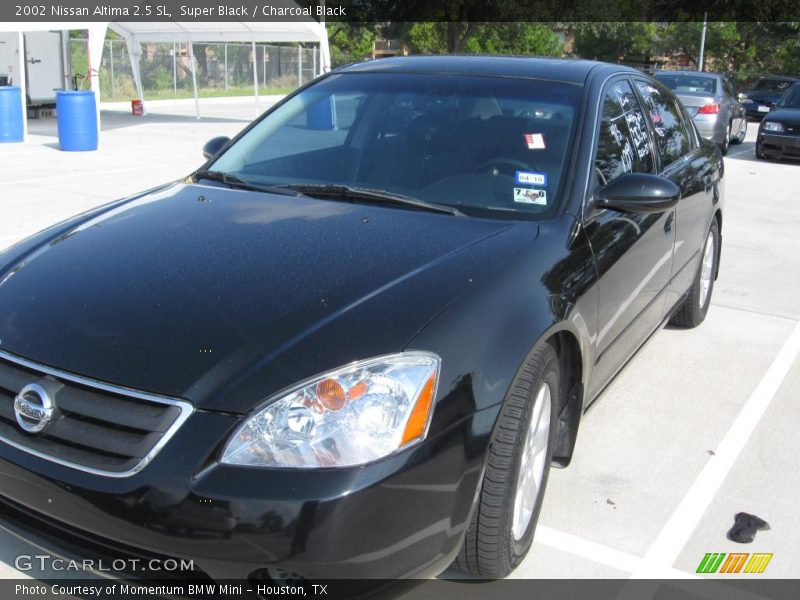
502, 161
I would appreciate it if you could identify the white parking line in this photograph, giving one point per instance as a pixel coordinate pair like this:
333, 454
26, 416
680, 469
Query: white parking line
676, 532
599, 553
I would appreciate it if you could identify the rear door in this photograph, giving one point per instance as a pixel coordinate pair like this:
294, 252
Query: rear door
685, 160
738, 116
633, 251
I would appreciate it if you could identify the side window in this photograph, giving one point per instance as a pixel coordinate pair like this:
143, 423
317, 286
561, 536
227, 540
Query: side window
623, 146
672, 136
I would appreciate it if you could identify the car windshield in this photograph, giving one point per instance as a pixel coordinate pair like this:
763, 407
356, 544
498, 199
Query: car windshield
772, 85
488, 146
791, 99
689, 84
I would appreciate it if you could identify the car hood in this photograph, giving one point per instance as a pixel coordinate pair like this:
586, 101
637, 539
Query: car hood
225, 296
762, 96
789, 116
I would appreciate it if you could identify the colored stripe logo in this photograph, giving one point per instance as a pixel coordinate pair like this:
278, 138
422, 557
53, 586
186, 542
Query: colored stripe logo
734, 562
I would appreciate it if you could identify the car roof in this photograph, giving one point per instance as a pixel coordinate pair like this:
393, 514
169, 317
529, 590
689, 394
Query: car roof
556, 69
689, 73
781, 77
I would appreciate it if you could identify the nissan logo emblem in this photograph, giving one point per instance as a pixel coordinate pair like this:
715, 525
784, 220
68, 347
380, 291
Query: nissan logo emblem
34, 408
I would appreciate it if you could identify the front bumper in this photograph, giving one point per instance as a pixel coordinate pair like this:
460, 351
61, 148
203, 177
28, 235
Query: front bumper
778, 145
403, 516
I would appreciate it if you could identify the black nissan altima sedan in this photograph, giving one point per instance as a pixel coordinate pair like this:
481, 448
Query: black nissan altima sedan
353, 343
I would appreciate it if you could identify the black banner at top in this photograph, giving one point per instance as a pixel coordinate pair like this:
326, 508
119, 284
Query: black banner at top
400, 10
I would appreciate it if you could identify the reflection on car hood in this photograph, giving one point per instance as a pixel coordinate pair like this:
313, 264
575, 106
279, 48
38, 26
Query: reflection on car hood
199, 291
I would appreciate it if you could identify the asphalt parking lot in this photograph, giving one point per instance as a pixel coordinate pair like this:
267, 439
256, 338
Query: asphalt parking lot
699, 426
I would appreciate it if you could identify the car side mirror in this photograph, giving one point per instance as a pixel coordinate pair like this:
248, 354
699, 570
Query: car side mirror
640, 193
214, 145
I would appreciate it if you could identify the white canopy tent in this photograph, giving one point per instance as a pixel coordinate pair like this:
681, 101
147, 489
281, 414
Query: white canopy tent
137, 33
97, 36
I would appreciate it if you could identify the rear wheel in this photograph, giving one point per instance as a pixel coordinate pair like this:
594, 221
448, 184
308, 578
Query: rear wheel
501, 531
693, 310
742, 133
726, 141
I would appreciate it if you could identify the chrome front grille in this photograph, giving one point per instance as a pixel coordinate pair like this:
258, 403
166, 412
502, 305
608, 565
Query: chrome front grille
96, 427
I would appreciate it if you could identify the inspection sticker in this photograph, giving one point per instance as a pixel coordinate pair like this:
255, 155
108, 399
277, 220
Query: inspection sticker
525, 178
529, 196
535, 141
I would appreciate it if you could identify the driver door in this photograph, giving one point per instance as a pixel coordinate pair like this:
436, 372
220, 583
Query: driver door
632, 251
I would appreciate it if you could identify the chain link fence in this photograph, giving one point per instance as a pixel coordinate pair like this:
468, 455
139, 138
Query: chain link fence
221, 69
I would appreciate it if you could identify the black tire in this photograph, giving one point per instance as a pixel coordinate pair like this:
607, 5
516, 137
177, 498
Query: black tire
691, 312
742, 134
759, 153
489, 548
726, 142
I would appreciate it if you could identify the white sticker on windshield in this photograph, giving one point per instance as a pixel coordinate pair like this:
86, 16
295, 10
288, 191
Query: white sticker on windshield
529, 196
528, 178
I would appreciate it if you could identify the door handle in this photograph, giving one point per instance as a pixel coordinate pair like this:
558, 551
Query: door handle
668, 223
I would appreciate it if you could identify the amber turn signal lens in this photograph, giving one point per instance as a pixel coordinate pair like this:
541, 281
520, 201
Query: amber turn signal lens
357, 390
415, 428
331, 394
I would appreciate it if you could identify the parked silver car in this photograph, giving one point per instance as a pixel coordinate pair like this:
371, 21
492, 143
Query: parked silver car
711, 102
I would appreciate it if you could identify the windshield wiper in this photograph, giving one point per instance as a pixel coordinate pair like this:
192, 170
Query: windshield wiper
239, 183
346, 192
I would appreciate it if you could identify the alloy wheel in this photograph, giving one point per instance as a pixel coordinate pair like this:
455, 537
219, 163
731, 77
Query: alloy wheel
532, 462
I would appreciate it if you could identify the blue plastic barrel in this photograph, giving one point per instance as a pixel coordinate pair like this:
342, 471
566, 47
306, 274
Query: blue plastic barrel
77, 120
10, 114
322, 115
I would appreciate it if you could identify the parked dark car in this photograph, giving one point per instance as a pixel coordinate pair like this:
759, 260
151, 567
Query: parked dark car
765, 92
711, 102
779, 132
358, 337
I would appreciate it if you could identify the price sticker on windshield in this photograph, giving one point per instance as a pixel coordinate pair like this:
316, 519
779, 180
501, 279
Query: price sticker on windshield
534, 141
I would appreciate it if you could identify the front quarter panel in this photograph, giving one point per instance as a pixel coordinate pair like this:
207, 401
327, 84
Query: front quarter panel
484, 336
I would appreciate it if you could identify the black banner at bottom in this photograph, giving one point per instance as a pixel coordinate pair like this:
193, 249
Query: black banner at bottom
435, 589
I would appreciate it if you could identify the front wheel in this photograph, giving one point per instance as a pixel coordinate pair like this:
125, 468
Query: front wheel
501, 531
693, 310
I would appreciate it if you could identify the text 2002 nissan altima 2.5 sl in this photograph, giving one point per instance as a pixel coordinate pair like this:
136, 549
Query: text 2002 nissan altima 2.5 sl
353, 343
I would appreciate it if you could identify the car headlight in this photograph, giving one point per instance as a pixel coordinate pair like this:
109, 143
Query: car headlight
350, 416
744, 99
773, 126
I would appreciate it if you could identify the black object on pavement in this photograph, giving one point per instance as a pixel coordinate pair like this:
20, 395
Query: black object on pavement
745, 527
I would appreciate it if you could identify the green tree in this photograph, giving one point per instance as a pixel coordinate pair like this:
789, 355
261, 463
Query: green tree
615, 42
485, 38
350, 42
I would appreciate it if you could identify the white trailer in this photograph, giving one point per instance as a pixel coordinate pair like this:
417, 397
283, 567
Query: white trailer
46, 64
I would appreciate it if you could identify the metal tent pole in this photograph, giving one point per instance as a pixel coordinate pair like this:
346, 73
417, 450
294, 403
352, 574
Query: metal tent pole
194, 80
111, 62
255, 75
